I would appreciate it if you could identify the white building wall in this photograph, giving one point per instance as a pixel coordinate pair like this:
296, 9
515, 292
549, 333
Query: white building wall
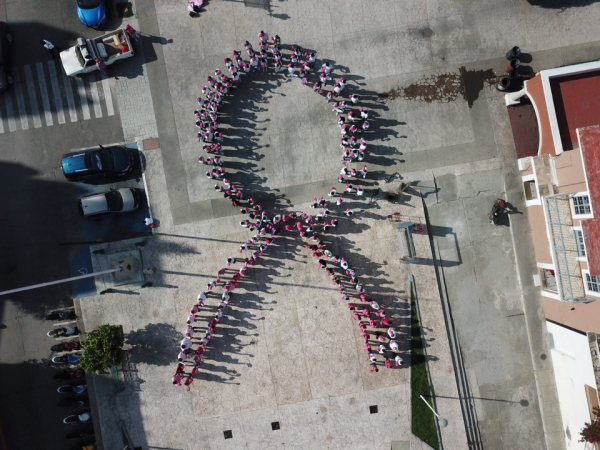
572, 370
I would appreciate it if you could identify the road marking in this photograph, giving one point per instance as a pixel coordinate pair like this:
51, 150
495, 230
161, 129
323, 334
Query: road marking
35, 112
107, 96
85, 107
58, 104
10, 113
44, 93
70, 99
1, 123
95, 99
20, 101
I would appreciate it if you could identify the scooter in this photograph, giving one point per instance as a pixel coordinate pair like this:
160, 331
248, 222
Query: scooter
73, 402
69, 375
498, 208
88, 432
68, 389
77, 418
64, 331
66, 359
62, 315
66, 347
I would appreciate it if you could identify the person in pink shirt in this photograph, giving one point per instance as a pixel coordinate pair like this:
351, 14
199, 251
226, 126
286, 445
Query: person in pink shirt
374, 368
177, 378
385, 322
188, 382
388, 363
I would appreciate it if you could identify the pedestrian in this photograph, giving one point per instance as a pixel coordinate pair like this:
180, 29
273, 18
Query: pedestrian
391, 333
186, 343
211, 285
372, 357
243, 248
182, 357
188, 382
399, 361
191, 319
363, 171
394, 345
353, 98
382, 349
385, 322
375, 305
230, 261
374, 368
177, 378
54, 51
359, 191
388, 363
348, 212
364, 114
339, 201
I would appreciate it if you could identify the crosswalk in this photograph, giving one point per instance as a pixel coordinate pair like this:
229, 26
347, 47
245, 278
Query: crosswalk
42, 95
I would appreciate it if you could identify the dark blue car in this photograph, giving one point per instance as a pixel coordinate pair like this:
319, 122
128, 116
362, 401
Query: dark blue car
96, 164
92, 13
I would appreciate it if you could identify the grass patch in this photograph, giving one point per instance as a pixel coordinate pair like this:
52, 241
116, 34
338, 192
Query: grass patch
422, 419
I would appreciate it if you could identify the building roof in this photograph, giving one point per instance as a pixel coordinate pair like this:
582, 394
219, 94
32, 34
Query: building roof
589, 142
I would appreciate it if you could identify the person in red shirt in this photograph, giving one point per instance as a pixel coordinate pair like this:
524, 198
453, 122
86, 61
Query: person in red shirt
388, 363
188, 382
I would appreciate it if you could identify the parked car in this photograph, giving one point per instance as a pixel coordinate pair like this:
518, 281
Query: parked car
92, 13
111, 202
5, 39
97, 163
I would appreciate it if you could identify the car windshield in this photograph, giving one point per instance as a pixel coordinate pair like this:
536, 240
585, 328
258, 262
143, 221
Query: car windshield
88, 4
114, 201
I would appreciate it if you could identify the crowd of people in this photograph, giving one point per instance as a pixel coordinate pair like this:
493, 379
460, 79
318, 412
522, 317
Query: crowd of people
377, 329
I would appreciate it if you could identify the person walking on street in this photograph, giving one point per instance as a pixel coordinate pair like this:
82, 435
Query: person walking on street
50, 47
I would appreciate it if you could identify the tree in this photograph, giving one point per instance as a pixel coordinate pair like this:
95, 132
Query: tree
591, 430
103, 348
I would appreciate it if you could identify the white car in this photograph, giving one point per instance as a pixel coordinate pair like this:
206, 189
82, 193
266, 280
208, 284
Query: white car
114, 201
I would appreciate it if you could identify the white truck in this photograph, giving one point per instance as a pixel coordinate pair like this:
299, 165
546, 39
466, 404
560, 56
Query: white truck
108, 48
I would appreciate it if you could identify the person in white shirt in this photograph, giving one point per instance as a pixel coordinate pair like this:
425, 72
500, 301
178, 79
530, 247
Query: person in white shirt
50, 47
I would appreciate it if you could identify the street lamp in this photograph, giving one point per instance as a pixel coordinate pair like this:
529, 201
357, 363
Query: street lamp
443, 423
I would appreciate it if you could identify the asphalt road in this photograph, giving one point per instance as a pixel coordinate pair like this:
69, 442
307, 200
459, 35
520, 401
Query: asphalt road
43, 238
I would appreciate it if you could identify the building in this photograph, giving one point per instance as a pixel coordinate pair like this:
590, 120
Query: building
556, 124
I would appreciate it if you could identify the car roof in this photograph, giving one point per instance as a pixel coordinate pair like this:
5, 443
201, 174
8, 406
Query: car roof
94, 204
75, 162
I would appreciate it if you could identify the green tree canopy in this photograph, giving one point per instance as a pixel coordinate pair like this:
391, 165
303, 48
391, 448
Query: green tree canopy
103, 348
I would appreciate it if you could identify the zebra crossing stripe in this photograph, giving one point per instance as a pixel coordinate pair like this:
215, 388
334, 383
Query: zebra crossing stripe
35, 112
58, 104
44, 94
107, 96
10, 114
70, 99
85, 107
20, 101
95, 99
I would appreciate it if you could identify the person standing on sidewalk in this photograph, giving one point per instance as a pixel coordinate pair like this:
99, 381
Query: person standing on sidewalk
50, 47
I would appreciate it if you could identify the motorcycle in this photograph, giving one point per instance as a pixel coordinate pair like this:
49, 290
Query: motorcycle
73, 402
75, 389
66, 359
89, 432
498, 208
64, 331
69, 375
62, 315
66, 347
77, 418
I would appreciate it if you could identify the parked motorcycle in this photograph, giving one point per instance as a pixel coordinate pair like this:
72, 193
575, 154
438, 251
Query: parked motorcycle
73, 402
77, 418
66, 359
86, 432
62, 315
498, 208
64, 331
68, 374
72, 389
66, 347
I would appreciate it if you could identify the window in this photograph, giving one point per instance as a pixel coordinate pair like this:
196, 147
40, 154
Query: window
530, 190
580, 243
581, 205
593, 283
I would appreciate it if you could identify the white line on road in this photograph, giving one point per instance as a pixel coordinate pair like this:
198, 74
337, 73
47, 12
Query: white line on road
70, 99
58, 104
107, 96
35, 112
85, 107
10, 113
44, 93
1, 123
20, 101
95, 99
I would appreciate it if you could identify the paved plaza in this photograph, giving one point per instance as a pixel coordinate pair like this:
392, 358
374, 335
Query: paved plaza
290, 351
